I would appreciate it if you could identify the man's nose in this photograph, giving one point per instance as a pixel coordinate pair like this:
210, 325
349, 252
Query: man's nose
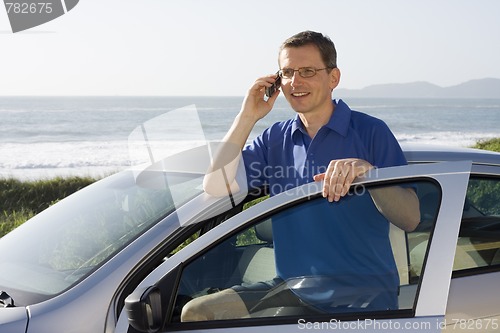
296, 79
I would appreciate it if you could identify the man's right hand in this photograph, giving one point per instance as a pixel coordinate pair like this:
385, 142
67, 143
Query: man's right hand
255, 106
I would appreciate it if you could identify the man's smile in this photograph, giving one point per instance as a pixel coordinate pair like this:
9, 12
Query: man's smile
299, 94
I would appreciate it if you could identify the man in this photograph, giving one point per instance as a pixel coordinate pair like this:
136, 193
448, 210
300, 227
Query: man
326, 141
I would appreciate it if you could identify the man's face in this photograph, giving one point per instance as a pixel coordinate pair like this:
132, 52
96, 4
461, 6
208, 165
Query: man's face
312, 94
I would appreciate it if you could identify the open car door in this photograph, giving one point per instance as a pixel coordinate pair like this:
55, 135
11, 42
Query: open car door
242, 251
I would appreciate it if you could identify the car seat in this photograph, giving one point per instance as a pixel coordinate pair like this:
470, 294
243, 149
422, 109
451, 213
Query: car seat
257, 260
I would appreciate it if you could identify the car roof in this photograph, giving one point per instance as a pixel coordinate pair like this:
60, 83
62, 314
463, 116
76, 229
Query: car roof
421, 153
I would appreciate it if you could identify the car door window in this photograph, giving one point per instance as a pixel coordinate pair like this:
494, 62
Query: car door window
478, 244
315, 257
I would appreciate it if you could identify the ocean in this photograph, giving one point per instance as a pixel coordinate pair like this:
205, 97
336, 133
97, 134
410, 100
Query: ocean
43, 137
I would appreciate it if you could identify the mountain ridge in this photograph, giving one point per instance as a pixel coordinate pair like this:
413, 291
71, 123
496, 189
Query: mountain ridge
478, 88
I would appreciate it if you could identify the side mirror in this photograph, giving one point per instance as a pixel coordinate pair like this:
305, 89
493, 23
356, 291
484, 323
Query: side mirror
144, 309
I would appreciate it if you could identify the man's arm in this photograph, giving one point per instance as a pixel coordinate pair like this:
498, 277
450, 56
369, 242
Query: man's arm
399, 205
220, 178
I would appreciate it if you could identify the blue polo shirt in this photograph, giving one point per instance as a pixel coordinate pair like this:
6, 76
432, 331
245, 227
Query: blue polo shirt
347, 240
284, 156
345, 243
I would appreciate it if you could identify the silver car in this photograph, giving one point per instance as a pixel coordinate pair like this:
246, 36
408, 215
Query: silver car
128, 252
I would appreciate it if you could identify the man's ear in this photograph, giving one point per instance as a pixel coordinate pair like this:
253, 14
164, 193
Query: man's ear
334, 78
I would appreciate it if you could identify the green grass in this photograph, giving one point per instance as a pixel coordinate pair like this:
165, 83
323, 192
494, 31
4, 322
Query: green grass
21, 200
492, 144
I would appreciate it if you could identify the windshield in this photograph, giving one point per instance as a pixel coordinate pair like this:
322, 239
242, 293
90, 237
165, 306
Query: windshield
63, 244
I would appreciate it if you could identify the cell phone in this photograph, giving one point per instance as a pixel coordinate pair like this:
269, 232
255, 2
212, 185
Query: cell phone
272, 89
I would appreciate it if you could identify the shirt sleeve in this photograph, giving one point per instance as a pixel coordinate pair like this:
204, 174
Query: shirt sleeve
385, 149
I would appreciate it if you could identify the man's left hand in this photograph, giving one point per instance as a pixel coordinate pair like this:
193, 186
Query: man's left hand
339, 176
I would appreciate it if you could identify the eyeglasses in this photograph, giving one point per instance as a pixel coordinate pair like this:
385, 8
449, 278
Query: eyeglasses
288, 73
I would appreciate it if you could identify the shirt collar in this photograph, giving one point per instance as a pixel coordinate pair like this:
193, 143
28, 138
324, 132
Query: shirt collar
339, 121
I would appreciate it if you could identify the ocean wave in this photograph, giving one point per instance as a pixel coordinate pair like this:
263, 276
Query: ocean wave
62, 154
87, 155
97, 158
447, 138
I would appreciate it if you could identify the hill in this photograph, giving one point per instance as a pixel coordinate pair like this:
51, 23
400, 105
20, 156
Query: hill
481, 88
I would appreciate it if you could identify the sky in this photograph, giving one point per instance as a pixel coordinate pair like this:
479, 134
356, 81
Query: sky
219, 47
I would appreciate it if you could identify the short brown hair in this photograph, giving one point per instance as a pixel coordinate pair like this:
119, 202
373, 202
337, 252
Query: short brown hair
322, 42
